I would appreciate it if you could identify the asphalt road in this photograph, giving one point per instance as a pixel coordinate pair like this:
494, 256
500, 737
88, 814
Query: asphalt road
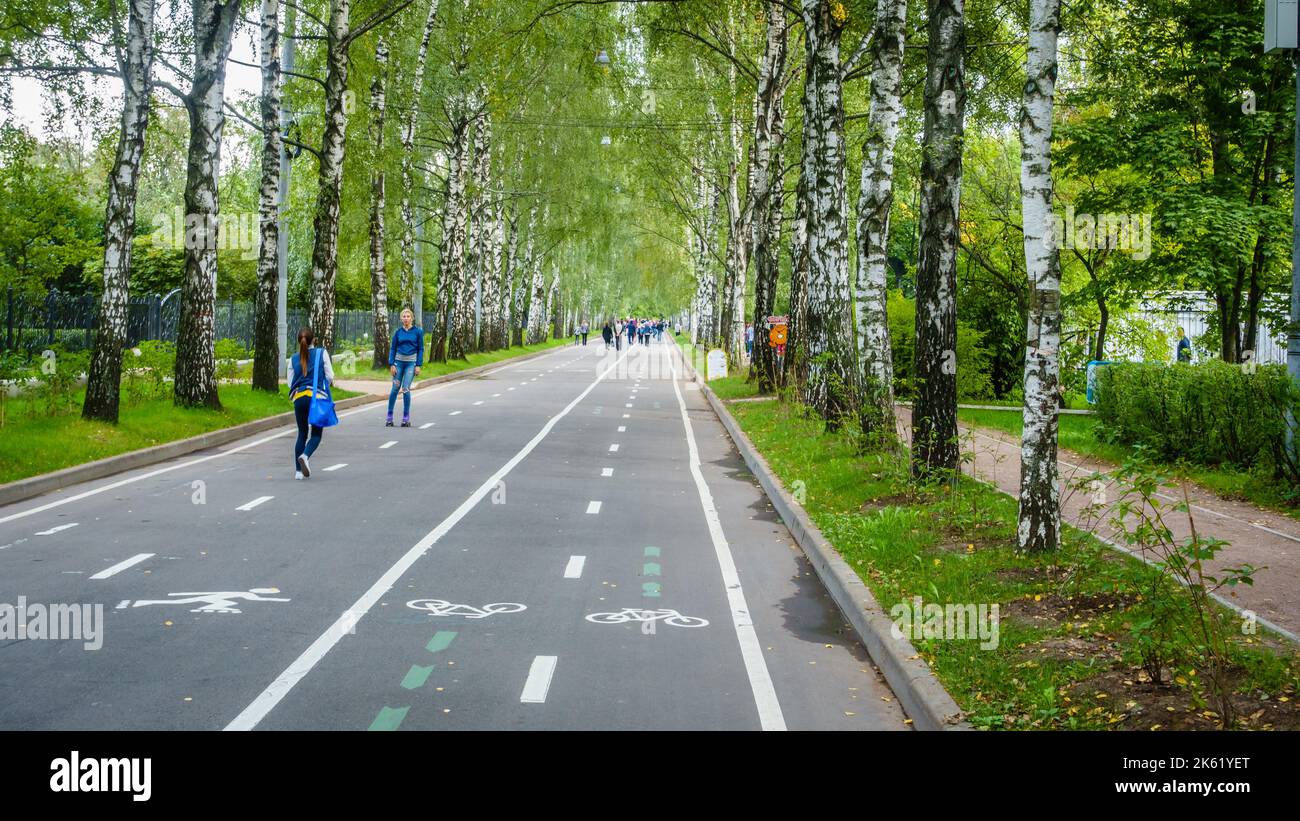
570, 542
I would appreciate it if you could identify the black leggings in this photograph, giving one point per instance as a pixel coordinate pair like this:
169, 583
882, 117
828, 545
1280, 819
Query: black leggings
304, 445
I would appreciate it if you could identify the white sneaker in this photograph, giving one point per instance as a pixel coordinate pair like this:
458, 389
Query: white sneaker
297, 474
304, 466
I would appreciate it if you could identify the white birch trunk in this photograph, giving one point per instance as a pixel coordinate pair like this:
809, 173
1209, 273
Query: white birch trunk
406, 281
378, 270
266, 344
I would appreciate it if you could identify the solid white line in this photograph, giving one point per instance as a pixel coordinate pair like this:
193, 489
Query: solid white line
613, 448
339, 466
606, 471
770, 716
253, 714
573, 570
593, 507
388, 444
120, 566
426, 426
54, 530
539, 680
259, 500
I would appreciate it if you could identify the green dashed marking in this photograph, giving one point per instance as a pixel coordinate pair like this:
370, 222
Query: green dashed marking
416, 677
440, 641
652, 551
650, 589
389, 718
650, 569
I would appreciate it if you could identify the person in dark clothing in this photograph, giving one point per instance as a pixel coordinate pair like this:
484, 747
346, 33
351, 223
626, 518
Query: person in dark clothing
300, 393
607, 334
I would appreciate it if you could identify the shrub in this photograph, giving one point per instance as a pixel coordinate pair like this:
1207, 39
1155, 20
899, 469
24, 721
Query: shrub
974, 377
1212, 413
228, 354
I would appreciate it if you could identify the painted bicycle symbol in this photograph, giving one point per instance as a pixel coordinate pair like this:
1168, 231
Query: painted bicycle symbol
441, 607
669, 617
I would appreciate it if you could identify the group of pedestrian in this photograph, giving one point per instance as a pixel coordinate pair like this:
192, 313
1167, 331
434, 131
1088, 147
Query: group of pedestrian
312, 367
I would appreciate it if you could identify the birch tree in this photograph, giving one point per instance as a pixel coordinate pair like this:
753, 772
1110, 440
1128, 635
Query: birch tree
135, 57
875, 201
1040, 509
406, 280
266, 345
830, 387
934, 412
196, 378
378, 271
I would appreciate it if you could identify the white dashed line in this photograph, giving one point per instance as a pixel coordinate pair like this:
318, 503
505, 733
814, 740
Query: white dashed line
259, 500
120, 566
573, 570
539, 680
333, 468
622, 428
455, 413
54, 530
426, 426
593, 507
387, 445
613, 448
479, 402
606, 471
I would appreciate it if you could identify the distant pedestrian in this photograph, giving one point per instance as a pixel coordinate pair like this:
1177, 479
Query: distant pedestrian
405, 358
607, 334
305, 366
749, 340
631, 331
585, 330
1183, 351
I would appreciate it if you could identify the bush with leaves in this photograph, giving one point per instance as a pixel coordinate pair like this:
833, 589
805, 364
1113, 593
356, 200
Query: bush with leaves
228, 354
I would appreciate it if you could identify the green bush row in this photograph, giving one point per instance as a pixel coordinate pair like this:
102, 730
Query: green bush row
1212, 413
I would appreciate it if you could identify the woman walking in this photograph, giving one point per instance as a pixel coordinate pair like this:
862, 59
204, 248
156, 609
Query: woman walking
405, 357
305, 366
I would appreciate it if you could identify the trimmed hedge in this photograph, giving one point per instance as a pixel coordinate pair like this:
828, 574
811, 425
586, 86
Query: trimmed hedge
1212, 413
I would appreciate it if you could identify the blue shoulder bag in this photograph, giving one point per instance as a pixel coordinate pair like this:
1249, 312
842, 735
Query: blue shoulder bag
322, 413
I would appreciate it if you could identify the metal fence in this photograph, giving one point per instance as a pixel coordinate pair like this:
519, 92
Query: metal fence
33, 324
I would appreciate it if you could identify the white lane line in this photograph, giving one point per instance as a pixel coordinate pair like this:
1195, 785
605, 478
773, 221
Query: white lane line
593, 507
770, 716
120, 566
479, 402
455, 413
613, 448
253, 714
259, 500
628, 405
288, 431
512, 387
426, 426
333, 468
54, 530
495, 395
627, 416
573, 570
606, 471
388, 444
622, 428
539, 680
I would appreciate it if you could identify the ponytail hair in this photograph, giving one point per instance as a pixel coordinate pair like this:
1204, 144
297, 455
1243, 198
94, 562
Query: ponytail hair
305, 338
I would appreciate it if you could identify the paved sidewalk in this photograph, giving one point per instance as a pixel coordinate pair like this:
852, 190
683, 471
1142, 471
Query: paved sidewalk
1263, 538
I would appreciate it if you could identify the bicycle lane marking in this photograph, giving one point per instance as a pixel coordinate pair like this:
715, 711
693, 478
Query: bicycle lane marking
275, 692
191, 462
760, 679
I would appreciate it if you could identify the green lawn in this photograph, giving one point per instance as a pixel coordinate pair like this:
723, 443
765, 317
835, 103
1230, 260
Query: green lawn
734, 386
1079, 434
430, 369
1066, 658
43, 442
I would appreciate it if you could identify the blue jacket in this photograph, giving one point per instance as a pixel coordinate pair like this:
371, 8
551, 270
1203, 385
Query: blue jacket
300, 381
407, 343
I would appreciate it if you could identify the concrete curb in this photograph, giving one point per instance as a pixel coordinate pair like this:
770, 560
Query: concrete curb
927, 703
22, 489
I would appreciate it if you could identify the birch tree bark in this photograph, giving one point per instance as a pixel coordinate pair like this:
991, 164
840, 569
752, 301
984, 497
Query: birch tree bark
795, 372
104, 380
732, 307
1040, 508
523, 291
537, 291
478, 233
451, 270
266, 341
766, 189
875, 201
935, 451
196, 380
508, 277
831, 385
378, 272
406, 281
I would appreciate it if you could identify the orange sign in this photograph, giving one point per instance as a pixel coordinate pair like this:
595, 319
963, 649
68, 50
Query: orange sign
777, 336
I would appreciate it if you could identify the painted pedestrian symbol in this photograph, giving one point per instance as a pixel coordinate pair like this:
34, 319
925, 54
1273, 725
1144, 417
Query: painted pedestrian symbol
224, 602
442, 607
669, 617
